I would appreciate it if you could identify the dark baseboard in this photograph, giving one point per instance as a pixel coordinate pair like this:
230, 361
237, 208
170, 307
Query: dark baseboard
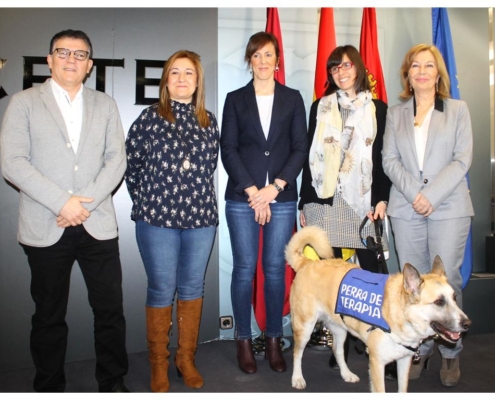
478, 302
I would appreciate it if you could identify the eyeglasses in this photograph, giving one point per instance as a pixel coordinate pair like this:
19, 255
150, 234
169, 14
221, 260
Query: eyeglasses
345, 66
80, 55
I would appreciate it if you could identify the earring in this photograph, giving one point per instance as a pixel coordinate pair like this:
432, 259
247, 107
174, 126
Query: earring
436, 86
251, 69
277, 68
410, 88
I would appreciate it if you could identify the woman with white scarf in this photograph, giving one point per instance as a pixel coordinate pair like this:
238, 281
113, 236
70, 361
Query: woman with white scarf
343, 179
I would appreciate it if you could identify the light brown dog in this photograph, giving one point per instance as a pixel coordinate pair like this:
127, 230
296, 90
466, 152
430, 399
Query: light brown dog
415, 307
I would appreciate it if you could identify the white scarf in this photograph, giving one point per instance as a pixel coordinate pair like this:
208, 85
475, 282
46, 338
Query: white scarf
341, 157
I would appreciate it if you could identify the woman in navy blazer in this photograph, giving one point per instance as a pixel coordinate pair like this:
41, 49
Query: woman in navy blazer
263, 148
427, 152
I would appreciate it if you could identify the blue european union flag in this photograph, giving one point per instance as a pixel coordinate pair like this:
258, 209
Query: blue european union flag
442, 39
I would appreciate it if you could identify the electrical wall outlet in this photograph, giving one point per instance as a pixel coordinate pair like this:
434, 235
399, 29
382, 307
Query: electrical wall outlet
226, 322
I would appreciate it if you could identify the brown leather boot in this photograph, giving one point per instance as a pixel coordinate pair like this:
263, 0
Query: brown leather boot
450, 372
273, 353
158, 322
188, 320
245, 356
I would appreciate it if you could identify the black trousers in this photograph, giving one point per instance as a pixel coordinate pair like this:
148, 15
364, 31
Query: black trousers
51, 267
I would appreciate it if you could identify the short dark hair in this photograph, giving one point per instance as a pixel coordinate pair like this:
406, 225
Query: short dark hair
70, 33
257, 41
335, 59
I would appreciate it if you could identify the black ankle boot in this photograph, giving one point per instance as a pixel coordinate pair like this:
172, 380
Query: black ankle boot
333, 361
391, 371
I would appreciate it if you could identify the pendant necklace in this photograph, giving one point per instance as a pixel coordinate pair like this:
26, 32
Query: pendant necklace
186, 160
186, 163
419, 120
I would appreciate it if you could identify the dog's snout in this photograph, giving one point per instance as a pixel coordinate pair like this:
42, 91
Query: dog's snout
466, 323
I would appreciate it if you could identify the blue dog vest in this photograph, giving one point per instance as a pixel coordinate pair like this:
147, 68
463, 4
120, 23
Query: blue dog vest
361, 297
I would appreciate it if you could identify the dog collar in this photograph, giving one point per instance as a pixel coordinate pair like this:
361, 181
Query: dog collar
416, 356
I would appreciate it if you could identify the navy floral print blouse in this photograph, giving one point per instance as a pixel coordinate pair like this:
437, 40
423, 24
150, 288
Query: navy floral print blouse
170, 169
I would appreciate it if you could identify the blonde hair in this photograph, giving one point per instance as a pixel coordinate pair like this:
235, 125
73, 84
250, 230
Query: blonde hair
444, 81
198, 100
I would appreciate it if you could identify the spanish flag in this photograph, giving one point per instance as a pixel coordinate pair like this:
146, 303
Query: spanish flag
326, 44
368, 47
273, 26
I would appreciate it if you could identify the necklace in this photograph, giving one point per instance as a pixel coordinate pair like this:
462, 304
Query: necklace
186, 159
418, 120
186, 163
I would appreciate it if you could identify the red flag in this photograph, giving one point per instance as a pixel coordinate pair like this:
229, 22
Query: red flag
272, 26
326, 44
368, 48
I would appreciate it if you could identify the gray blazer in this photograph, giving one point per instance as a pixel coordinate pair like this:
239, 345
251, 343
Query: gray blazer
448, 155
38, 159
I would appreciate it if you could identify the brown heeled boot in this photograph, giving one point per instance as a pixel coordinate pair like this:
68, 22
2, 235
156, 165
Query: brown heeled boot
245, 356
273, 353
188, 320
450, 372
158, 322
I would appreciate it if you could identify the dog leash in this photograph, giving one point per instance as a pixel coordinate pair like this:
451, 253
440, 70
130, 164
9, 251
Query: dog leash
373, 245
379, 243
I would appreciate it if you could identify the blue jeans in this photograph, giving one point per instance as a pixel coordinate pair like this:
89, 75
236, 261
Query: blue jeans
174, 260
244, 237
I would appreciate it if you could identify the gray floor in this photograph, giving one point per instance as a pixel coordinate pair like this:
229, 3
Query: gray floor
217, 362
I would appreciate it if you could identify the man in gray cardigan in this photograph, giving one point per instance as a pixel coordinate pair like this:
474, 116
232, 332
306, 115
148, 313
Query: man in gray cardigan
62, 146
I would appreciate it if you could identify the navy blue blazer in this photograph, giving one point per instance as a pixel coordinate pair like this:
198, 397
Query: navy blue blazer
247, 155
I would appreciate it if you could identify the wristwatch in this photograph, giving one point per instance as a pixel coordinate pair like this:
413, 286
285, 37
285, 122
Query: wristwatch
280, 189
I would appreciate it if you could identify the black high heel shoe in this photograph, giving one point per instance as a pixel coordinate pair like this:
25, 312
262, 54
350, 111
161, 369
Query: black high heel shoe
417, 368
391, 371
333, 361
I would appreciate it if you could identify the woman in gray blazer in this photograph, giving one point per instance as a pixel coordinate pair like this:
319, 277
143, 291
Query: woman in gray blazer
427, 152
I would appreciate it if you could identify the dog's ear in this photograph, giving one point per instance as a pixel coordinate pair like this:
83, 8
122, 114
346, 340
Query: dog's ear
413, 282
438, 267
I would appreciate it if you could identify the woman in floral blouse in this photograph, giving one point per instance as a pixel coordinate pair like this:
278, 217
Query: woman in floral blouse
172, 153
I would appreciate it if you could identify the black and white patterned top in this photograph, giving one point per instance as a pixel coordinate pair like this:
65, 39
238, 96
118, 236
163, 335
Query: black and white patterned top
166, 191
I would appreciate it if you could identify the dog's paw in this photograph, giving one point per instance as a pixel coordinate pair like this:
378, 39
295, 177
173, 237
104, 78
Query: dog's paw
298, 382
350, 377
